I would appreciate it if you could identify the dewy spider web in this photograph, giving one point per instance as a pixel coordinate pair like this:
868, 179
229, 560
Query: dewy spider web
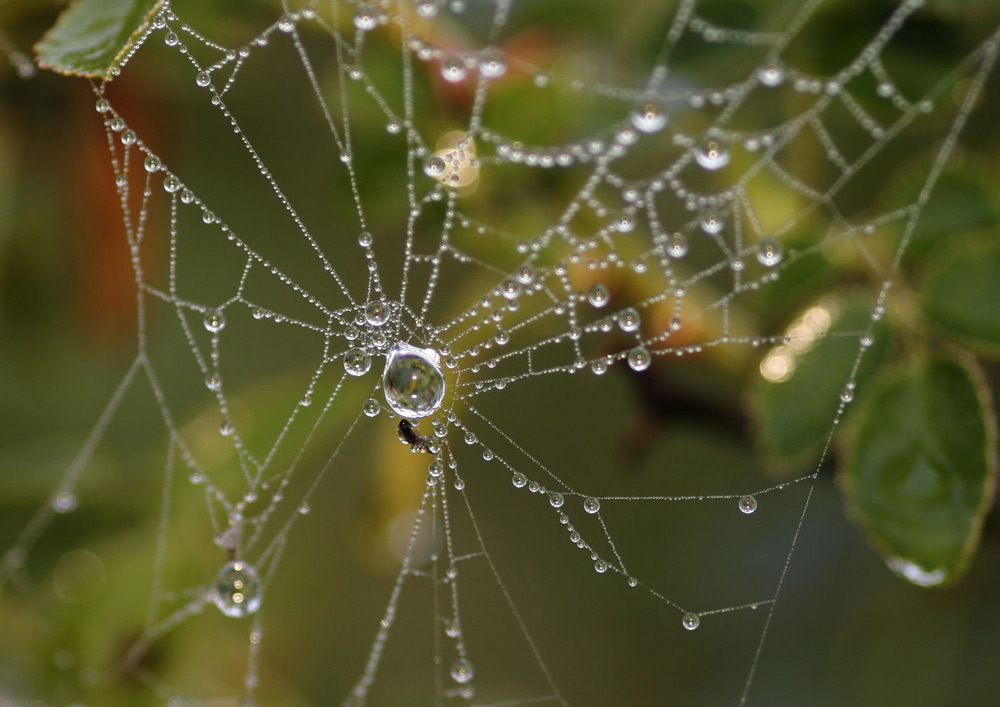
676, 208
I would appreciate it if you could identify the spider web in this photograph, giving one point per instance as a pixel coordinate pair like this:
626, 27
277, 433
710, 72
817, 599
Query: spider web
550, 263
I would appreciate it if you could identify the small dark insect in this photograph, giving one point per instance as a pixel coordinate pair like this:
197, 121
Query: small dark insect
408, 435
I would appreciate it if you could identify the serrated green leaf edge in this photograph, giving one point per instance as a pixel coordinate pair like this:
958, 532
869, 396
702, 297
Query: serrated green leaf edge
970, 366
94, 38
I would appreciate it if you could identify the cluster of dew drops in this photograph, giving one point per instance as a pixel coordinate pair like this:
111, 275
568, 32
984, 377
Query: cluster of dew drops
237, 590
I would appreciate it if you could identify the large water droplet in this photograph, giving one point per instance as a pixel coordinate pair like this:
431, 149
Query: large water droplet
591, 505
712, 151
690, 621
649, 115
237, 590
357, 362
413, 381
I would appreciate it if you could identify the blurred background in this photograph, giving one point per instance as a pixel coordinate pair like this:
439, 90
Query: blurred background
845, 631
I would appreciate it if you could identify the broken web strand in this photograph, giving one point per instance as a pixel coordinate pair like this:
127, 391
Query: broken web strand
135, 235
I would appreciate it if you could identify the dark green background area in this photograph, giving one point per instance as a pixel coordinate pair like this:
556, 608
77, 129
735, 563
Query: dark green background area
846, 630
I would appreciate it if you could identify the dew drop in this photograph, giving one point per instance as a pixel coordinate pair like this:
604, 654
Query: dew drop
492, 63
600, 566
461, 671
598, 295
226, 428
690, 621
357, 362
366, 17
867, 340
451, 629
633, 582
377, 313
203, 79
678, 245
650, 116
771, 75
171, 39
237, 590
639, 359
213, 381
769, 252
599, 366
712, 152
711, 222
625, 224
64, 502
434, 166
371, 407
286, 23
129, 138
171, 184
525, 274
304, 508
556, 500
453, 69
427, 8
103, 105
519, 480
413, 381
629, 320
748, 504
510, 288
215, 320
591, 505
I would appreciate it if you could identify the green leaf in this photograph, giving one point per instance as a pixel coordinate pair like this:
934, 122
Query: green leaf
921, 466
94, 38
961, 202
962, 297
794, 416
